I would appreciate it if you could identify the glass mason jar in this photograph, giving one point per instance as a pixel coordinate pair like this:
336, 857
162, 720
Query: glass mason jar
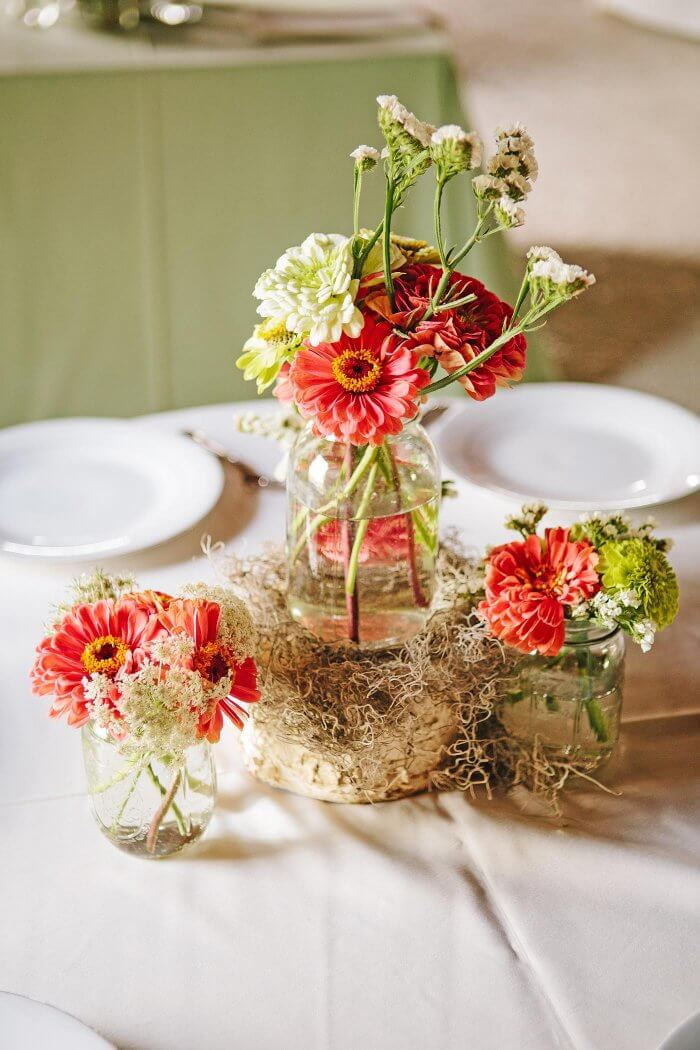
570, 702
152, 809
362, 536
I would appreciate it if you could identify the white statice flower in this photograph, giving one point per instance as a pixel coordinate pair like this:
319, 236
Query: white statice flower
514, 161
539, 252
550, 277
454, 150
282, 427
365, 157
395, 118
236, 629
527, 519
518, 186
311, 290
508, 214
489, 187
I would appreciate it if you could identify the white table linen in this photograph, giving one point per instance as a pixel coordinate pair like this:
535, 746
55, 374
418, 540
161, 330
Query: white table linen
429, 922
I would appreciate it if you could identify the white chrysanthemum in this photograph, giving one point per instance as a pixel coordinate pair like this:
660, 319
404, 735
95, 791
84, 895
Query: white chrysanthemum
489, 187
508, 214
311, 290
365, 157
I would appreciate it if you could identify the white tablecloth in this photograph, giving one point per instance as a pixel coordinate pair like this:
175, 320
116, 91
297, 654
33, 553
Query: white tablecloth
433, 922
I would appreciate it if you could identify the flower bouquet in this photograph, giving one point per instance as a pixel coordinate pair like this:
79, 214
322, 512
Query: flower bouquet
149, 677
357, 331
565, 601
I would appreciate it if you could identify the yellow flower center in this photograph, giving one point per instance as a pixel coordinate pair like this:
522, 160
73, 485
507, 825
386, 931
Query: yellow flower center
274, 332
214, 661
357, 370
104, 655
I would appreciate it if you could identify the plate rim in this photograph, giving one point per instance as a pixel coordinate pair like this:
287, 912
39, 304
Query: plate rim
619, 503
154, 433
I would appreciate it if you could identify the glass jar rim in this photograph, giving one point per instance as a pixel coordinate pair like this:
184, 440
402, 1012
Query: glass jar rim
582, 632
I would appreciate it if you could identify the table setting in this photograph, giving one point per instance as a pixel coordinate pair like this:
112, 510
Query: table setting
392, 672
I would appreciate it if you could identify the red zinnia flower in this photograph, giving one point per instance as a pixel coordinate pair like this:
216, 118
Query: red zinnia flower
358, 390
212, 659
385, 539
105, 637
454, 336
528, 584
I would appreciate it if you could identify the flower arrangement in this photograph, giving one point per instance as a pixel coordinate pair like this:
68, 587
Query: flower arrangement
358, 330
151, 673
566, 600
603, 570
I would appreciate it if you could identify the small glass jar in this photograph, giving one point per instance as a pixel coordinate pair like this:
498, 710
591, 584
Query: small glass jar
362, 536
151, 809
570, 703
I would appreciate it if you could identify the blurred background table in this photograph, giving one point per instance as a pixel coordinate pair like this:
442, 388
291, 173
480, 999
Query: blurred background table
146, 182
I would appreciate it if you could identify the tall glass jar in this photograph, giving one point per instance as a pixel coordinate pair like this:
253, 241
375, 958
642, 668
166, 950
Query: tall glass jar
362, 536
570, 703
151, 809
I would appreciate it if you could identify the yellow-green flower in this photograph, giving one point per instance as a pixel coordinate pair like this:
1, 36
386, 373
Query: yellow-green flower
637, 565
265, 352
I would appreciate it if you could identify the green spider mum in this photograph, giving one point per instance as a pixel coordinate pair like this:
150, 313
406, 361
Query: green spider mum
637, 565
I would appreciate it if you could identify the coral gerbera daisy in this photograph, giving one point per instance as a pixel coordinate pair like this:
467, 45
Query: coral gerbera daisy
454, 335
528, 585
386, 538
102, 638
358, 389
213, 659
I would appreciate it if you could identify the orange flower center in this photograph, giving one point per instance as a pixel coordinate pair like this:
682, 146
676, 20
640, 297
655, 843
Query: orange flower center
357, 370
214, 661
104, 655
545, 579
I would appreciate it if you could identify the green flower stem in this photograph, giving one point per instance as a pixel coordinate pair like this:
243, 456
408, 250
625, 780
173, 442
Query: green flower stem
120, 775
117, 820
524, 288
161, 812
181, 823
388, 208
360, 262
321, 516
356, 191
351, 596
410, 535
596, 720
437, 220
363, 522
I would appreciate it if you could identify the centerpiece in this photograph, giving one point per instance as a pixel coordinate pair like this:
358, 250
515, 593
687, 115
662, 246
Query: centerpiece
149, 678
565, 602
357, 332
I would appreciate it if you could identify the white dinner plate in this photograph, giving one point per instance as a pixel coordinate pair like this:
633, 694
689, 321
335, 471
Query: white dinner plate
78, 489
577, 446
27, 1025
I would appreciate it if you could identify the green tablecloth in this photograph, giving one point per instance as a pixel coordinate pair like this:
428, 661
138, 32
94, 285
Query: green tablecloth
140, 206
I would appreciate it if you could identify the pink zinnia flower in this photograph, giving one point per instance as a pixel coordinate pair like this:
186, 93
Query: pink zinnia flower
454, 336
212, 659
528, 585
358, 390
105, 638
